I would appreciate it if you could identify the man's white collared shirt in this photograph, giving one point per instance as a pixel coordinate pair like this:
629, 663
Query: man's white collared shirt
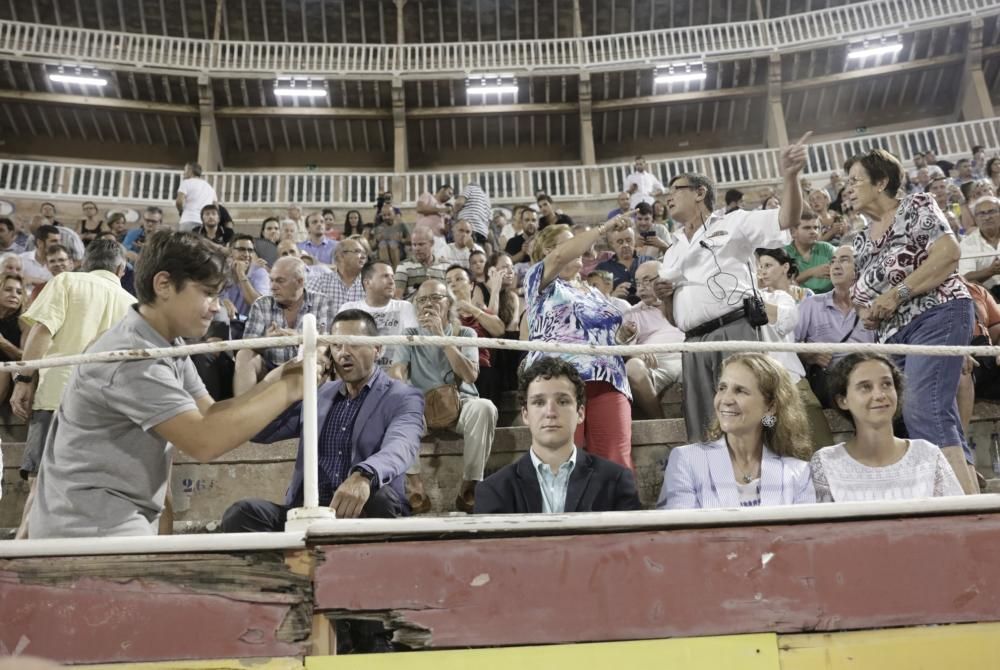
712, 282
974, 243
646, 183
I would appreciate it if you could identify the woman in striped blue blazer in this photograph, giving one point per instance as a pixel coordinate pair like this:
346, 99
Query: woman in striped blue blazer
755, 449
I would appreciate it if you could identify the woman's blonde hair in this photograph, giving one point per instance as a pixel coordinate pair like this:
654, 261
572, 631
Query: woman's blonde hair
545, 241
790, 435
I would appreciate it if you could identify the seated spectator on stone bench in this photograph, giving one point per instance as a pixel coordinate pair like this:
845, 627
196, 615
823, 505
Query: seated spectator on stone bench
874, 464
649, 375
369, 434
247, 282
831, 318
428, 367
105, 468
755, 447
555, 476
277, 315
391, 316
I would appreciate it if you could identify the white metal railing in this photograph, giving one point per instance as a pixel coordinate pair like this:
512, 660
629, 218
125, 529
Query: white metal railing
300, 519
506, 185
716, 41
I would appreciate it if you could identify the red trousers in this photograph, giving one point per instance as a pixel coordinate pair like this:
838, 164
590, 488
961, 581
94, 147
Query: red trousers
607, 427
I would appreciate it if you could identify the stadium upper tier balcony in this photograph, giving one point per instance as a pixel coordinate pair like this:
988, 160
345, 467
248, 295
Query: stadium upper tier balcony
317, 51
507, 185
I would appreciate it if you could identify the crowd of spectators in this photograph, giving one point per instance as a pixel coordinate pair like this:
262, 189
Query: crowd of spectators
873, 258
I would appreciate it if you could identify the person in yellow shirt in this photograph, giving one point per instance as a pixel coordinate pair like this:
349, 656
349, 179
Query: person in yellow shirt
72, 310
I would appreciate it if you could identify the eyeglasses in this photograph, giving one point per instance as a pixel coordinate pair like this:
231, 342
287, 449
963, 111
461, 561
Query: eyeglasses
427, 299
679, 187
984, 213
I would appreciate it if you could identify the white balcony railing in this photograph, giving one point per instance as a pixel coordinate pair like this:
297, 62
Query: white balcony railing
507, 185
604, 52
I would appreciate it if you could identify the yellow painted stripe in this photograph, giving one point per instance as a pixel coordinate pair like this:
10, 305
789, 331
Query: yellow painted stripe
917, 648
222, 664
746, 652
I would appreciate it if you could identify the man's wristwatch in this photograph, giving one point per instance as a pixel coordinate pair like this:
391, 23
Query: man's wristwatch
903, 291
367, 474
24, 379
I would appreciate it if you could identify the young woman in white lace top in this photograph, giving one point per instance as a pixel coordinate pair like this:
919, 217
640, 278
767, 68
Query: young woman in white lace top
874, 464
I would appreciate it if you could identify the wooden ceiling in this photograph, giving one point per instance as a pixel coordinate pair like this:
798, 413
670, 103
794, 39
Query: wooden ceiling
156, 119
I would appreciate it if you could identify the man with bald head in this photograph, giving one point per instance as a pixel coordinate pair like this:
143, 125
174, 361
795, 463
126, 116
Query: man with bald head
623, 264
830, 317
649, 375
344, 283
421, 266
985, 239
276, 315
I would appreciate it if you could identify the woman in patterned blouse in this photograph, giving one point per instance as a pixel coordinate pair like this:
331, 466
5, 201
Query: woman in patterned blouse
908, 291
874, 464
562, 308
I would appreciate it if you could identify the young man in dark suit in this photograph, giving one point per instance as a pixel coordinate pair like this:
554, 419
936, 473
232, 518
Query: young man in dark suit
554, 476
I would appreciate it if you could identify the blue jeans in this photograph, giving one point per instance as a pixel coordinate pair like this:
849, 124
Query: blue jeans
930, 396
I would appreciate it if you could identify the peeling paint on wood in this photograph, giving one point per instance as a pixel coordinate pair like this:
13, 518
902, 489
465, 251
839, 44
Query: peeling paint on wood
656, 584
148, 608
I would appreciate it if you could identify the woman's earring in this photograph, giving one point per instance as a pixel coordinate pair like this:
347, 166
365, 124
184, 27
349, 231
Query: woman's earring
769, 421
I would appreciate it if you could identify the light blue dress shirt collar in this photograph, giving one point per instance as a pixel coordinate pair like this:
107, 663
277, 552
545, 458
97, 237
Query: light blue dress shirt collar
553, 486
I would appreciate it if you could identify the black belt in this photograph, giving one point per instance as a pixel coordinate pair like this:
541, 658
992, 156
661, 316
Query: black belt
715, 324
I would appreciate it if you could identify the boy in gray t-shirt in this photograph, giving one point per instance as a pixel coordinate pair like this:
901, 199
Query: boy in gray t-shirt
107, 458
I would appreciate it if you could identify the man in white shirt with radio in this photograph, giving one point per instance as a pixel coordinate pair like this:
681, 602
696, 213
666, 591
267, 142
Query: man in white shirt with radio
707, 270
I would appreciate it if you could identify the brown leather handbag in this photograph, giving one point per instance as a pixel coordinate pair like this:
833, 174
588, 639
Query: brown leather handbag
442, 406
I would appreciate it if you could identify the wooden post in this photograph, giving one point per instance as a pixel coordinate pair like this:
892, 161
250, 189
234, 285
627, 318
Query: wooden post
775, 132
975, 95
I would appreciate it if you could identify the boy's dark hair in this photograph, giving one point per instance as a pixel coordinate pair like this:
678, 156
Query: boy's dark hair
55, 249
43, 232
840, 373
550, 367
544, 196
371, 328
186, 257
239, 237
7, 223
644, 209
733, 196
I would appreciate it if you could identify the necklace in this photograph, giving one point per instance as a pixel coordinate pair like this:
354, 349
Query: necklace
743, 476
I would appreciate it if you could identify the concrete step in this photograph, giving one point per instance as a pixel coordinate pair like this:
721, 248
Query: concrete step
202, 492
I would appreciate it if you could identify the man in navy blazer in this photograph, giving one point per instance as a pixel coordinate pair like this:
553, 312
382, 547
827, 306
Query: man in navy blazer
369, 435
554, 476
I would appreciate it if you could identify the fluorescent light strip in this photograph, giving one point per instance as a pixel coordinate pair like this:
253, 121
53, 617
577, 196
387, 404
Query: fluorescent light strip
875, 51
683, 76
485, 90
77, 79
300, 92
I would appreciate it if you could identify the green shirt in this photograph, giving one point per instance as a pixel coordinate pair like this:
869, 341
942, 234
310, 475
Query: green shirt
822, 252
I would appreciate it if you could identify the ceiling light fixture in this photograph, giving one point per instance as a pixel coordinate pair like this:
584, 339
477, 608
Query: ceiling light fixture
680, 72
77, 75
300, 88
880, 49
491, 83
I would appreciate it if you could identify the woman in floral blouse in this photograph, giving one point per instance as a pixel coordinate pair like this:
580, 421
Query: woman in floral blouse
908, 291
562, 308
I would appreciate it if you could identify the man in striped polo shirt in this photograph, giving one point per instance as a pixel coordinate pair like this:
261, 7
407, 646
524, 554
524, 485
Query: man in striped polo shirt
474, 206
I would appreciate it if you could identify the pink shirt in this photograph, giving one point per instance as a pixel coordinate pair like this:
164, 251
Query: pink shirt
653, 328
433, 221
